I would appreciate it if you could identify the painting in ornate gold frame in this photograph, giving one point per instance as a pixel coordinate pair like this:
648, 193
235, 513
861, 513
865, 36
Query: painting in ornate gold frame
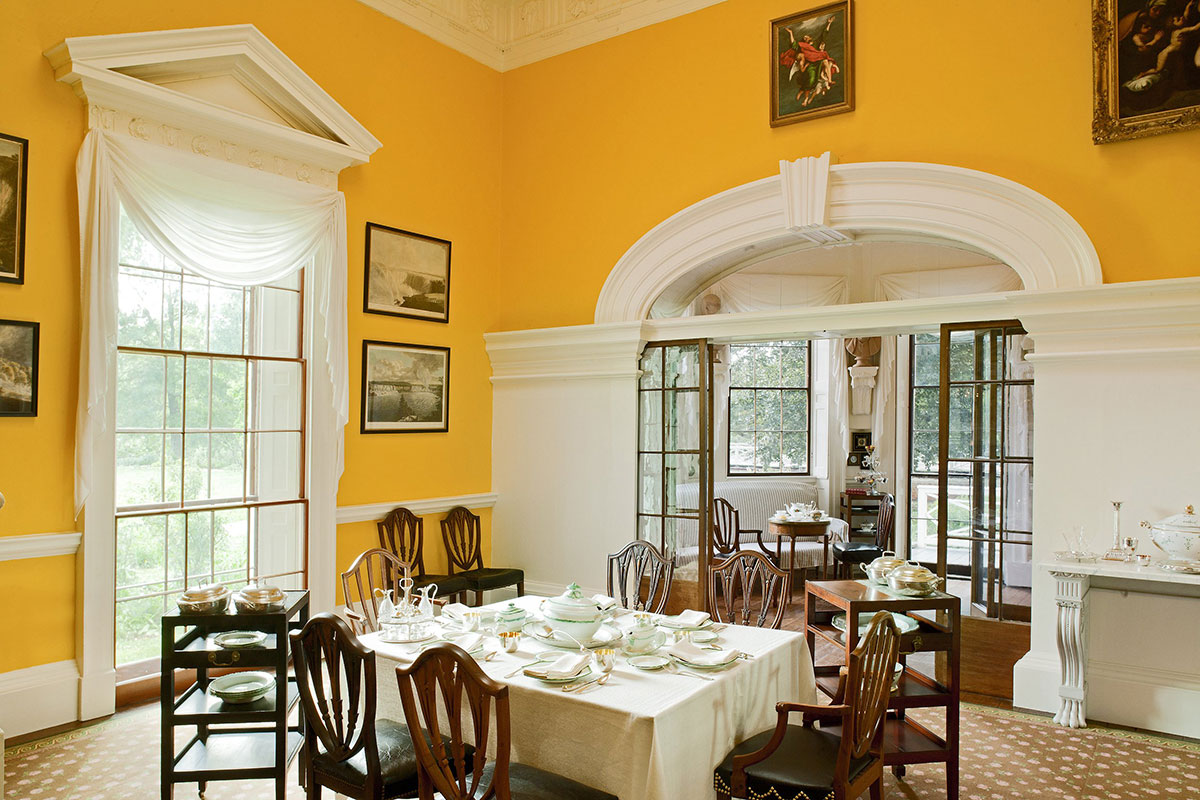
812, 64
1147, 67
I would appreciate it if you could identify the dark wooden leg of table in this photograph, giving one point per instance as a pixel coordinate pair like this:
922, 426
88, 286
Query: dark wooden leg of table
792, 569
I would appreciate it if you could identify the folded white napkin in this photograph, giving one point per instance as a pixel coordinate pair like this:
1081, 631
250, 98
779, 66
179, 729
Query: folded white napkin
689, 619
454, 610
468, 641
568, 665
688, 652
604, 601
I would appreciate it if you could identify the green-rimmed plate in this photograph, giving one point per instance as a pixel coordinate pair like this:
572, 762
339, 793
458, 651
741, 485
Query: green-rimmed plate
534, 672
906, 624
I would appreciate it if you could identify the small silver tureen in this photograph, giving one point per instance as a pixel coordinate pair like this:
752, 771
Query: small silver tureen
913, 580
1179, 537
879, 569
573, 614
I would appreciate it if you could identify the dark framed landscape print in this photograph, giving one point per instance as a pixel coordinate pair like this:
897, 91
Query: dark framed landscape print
405, 388
18, 368
14, 153
1147, 76
407, 274
812, 64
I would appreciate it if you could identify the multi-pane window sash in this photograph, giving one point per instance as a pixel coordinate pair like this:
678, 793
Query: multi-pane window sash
770, 415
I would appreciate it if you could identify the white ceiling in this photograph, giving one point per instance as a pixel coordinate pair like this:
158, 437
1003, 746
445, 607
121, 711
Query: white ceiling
505, 34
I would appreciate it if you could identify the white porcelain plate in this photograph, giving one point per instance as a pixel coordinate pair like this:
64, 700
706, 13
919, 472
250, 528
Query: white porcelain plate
539, 673
703, 636
607, 636
242, 687
673, 624
904, 623
660, 638
649, 662
233, 640
721, 665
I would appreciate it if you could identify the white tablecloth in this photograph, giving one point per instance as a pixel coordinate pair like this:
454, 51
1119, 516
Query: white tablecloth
643, 735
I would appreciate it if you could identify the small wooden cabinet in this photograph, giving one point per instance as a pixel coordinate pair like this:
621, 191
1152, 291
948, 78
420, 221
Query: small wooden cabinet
858, 510
906, 741
231, 741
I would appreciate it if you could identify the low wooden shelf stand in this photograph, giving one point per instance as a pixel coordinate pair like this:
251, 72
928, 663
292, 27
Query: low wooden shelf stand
906, 741
233, 741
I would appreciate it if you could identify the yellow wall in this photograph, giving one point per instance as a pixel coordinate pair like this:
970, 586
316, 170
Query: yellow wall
438, 114
605, 142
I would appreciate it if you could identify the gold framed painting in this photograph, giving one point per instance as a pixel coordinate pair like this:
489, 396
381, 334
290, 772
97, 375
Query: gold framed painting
1146, 68
812, 64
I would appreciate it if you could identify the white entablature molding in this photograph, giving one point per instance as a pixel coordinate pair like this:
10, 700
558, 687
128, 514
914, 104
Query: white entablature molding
506, 34
224, 92
813, 203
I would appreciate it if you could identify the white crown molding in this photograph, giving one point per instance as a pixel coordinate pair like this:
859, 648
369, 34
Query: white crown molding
433, 505
568, 353
1004, 220
119, 76
506, 34
37, 698
39, 545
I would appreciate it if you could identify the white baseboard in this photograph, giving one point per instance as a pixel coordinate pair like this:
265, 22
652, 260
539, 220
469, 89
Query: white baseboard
554, 589
36, 698
1150, 698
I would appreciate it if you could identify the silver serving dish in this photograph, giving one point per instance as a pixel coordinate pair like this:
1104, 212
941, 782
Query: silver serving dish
913, 580
210, 599
879, 569
258, 599
1179, 537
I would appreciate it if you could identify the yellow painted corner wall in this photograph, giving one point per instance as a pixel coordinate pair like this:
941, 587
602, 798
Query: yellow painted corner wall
438, 114
603, 143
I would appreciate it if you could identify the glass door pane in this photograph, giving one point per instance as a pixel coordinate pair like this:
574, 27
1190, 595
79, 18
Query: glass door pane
674, 480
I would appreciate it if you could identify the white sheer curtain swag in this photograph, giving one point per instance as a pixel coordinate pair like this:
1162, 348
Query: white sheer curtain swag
222, 221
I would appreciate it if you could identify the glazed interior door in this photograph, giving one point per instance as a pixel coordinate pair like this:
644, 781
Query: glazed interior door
985, 469
674, 483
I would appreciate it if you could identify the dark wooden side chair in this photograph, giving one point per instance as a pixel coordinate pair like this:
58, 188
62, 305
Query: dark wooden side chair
464, 548
347, 749
841, 759
403, 534
748, 589
847, 554
444, 675
727, 529
634, 565
372, 570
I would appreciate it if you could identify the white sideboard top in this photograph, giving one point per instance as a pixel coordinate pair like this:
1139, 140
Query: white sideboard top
1151, 573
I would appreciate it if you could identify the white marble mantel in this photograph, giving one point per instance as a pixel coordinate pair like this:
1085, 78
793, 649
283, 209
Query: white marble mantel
1072, 583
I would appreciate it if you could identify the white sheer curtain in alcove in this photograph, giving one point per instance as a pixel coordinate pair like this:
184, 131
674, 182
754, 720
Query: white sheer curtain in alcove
221, 221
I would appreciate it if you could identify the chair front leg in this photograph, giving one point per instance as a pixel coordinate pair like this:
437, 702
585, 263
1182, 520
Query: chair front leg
520, 588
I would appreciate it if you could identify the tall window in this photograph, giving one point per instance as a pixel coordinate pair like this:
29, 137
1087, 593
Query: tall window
210, 483
769, 417
923, 447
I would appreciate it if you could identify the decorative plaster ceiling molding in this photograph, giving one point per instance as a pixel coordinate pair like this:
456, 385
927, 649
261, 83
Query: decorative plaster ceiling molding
506, 34
1002, 219
266, 112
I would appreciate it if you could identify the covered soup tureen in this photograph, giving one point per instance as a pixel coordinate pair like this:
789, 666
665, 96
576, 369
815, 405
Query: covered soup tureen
1179, 537
573, 614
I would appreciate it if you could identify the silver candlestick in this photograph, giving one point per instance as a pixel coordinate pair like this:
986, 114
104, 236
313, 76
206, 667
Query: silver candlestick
1117, 553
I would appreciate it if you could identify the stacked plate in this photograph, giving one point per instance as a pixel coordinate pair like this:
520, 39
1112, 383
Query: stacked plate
236, 640
242, 687
906, 624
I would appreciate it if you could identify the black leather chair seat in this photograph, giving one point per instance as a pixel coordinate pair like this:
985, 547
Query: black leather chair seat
801, 768
856, 552
491, 578
397, 760
446, 584
531, 783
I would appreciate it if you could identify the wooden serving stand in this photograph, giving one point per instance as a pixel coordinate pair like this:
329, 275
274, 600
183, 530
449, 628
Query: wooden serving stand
905, 741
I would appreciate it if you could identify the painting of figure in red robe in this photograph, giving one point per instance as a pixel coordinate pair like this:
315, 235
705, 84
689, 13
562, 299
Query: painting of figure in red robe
812, 70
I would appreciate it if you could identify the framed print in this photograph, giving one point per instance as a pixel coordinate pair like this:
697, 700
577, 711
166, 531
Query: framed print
405, 388
859, 442
1146, 68
14, 154
407, 274
18, 368
812, 64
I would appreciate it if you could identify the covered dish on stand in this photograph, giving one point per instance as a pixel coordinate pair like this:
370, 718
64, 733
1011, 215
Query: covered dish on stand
879, 569
573, 614
1179, 537
913, 580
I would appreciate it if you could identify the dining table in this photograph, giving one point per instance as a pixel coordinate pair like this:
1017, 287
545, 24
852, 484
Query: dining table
641, 735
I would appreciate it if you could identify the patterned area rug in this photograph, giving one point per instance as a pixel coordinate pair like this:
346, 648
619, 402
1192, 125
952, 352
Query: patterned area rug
1005, 755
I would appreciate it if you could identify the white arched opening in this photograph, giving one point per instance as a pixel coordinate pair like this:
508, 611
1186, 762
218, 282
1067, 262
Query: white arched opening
813, 203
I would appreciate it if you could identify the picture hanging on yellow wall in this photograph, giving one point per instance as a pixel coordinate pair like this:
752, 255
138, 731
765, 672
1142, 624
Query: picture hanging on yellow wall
812, 64
405, 388
18, 368
13, 170
407, 274
1147, 68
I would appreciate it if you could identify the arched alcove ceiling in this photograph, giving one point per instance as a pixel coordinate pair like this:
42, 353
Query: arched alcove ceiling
812, 202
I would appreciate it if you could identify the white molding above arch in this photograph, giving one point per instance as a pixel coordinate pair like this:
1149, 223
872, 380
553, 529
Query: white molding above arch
813, 201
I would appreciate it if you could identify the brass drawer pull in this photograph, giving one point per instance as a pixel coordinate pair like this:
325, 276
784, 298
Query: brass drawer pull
216, 662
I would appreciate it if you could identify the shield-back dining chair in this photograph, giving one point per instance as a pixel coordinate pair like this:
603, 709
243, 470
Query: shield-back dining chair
463, 538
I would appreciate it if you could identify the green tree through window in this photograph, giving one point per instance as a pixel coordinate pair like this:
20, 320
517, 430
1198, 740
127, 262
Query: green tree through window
769, 408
